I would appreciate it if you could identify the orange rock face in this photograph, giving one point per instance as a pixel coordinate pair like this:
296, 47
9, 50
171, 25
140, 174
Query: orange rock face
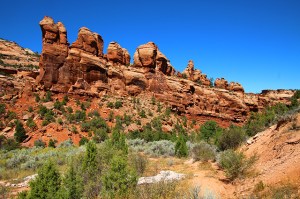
83, 69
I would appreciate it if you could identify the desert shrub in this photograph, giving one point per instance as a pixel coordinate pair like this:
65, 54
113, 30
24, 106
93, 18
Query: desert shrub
294, 99
83, 141
142, 113
138, 162
231, 138
65, 100
181, 149
74, 129
111, 116
69, 109
119, 179
39, 143
159, 107
236, 164
284, 191
80, 116
210, 131
203, 152
118, 104
48, 97
259, 121
137, 144
85, 105
30, 109
20, 133
157, 190
110, 105
31, 124
60, 121
160, 148
94, 114
127, 119
51, 143
4, 191
37, 98
2, 109
100, 135
11, 115
8, 144
59, 106
65, 144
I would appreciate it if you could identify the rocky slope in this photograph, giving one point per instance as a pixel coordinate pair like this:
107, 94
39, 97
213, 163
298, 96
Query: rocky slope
82, 68
13, 56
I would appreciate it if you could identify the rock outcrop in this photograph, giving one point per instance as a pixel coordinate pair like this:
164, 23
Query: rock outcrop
117, 54
195, 75
82, 68
54, 52
148, 57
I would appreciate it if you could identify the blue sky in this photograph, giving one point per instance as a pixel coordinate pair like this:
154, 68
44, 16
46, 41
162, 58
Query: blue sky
254, 42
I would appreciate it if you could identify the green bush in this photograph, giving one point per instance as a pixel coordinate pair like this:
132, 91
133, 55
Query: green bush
39, 143
83, 141
294, 99
203, 152
11, 115
31, 124
118, 104
20, 133
210, 131
181, 149
138, 162
142, 113
100, 135
111, 116
2, 109
47, 183
30, 109
232, 138
110, 105
236, 164
51, 143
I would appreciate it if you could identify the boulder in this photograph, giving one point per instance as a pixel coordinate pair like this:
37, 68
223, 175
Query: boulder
221, 83
117, 54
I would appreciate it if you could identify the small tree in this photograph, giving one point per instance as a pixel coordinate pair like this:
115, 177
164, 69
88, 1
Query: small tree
119, 179
89, 162
20, 133
47, 183
181, 149
73, 184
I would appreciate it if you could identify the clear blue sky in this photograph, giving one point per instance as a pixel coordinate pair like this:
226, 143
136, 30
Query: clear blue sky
254, 42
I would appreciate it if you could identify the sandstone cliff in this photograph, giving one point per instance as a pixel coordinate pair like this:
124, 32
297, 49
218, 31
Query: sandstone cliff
82, 68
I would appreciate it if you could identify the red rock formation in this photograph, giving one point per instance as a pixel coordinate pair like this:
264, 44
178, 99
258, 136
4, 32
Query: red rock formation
117, 54
83, 69
195, 75
54, 53
235, 86
221, 83
149, 57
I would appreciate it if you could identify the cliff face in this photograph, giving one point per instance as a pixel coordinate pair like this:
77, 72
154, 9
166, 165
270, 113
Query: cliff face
82, 68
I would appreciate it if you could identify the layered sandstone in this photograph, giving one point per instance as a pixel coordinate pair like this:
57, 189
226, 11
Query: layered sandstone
82, 68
